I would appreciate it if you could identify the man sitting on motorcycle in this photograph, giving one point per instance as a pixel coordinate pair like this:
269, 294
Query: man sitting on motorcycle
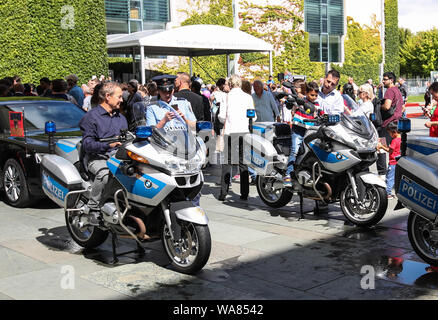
104, 121
299, 129
161, 112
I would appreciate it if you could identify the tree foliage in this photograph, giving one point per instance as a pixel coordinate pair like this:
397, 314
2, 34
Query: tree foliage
392, 42
52, 39
419, 55
363, 52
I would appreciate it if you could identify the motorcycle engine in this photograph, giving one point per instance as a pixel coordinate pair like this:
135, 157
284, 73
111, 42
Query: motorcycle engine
110, 213
305, 178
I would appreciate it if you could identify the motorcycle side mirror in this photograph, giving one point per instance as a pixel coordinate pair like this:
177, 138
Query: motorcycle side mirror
143, 132
404, 125
203, 125
250, 113
373, 117
333, 119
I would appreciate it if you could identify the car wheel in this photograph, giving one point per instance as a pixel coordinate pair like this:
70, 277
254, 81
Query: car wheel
15, 185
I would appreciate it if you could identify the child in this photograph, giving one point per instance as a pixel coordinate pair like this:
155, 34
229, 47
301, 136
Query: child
394, 151
299, 129
433, 123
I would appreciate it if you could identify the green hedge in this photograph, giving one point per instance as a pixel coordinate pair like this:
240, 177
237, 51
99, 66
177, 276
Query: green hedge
40, 40
392, 37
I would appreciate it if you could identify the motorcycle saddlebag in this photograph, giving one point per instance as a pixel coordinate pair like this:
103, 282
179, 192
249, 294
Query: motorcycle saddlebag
59, 176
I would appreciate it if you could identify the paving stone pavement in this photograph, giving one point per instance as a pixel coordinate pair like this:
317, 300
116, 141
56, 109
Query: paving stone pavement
257, 253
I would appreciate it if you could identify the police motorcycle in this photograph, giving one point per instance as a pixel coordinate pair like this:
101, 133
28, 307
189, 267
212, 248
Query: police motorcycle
416, 185
155, 175
331, 166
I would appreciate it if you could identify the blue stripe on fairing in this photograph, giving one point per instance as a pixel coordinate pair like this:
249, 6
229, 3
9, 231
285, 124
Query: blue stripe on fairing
423, 150
132, 184
66, 148
261, 129
325, 156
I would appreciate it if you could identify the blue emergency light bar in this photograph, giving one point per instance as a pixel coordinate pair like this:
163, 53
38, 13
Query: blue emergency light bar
50, 127
203, 125
143, 132
250, 113
334, 118
404, 125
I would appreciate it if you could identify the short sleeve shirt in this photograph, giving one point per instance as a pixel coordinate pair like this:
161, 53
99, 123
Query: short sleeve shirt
395, 150
155, 112
395, 96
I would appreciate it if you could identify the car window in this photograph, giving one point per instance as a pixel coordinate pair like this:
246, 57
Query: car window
65, 115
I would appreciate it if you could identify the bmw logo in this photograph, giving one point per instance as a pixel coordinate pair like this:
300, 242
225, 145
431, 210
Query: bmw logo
148, 184
339, 156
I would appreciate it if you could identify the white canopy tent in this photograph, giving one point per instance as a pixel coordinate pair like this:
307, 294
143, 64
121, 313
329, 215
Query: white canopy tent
191, 41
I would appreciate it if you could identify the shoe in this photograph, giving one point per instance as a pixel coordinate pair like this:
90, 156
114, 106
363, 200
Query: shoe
221, 197
243, 198
287, 182
391, 196
236, 177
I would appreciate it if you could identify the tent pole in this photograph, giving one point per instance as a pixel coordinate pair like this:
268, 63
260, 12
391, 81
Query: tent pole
142, 71
191, 66
133, 62
270, 63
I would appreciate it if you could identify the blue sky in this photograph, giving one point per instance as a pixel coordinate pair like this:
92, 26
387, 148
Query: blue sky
416, 15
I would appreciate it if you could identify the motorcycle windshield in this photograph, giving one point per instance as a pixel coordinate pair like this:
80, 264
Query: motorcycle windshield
174, 137
355, 119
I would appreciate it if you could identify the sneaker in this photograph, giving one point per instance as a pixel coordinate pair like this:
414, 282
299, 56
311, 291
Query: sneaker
236, 177
287, 182
391, 196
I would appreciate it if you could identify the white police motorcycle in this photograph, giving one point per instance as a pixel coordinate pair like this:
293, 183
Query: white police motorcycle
331, 166
155, 175
416, 185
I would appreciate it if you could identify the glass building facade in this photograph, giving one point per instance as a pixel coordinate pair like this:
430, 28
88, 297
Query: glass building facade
325, 23
127, 16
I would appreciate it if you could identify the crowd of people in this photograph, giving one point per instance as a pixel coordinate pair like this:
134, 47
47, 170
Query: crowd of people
225, 104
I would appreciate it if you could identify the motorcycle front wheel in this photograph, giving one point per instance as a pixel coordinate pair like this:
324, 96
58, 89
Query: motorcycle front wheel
272, 197
370, 211
420, 235
190, 253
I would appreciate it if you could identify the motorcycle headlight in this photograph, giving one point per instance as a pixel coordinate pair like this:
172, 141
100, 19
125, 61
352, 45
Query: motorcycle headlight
184, 166
366, 143
332, 135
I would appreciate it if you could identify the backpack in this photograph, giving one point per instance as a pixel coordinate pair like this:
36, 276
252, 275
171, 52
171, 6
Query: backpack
377, 103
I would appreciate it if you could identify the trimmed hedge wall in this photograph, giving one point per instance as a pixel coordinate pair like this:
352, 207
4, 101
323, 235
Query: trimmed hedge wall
46, 38
392, 37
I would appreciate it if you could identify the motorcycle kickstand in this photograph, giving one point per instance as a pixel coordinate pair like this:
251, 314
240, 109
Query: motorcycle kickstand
113, 242
301, 206
140, 250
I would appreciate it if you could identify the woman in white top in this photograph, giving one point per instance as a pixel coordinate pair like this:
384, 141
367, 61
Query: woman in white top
233, 116
366, 95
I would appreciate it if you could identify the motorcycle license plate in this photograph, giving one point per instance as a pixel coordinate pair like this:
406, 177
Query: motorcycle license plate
419, 195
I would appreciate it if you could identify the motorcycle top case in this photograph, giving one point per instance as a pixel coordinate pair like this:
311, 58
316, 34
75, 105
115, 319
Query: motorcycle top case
59, 176
416, 177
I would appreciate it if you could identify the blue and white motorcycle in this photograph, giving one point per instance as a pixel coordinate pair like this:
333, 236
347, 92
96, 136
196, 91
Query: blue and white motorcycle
155, 178
416, 185
331, 166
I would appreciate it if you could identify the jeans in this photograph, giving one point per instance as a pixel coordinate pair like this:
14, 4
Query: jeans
390, 177
297, 141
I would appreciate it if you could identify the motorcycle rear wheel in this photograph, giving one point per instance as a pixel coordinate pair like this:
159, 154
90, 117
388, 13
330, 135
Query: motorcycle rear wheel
89, 237
419, 229
274, 198
189, 254
374, 207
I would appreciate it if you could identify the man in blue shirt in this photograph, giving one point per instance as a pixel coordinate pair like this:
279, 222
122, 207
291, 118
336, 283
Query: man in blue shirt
104, 121
162, 112
74, 90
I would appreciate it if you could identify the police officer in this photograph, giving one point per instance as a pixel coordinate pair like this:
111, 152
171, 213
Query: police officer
161, 112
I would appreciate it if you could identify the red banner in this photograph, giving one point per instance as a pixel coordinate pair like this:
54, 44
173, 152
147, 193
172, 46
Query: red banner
16, 124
